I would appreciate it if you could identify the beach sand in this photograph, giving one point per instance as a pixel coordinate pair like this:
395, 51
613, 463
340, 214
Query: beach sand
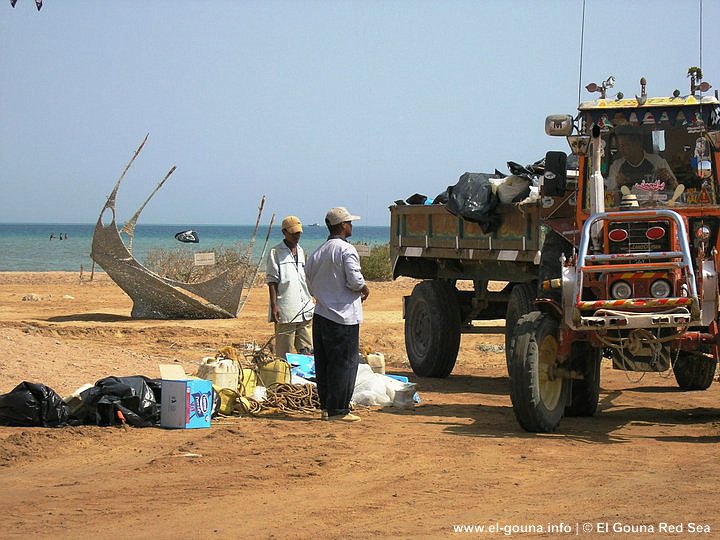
459, 458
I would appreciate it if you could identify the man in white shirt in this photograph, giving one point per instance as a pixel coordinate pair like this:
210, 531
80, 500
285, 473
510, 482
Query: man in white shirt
336, 282
291, 306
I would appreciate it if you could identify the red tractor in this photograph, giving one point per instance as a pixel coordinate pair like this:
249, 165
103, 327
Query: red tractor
633, 274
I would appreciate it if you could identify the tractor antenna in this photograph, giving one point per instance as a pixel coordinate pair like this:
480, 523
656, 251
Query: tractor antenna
582, 44
701, 29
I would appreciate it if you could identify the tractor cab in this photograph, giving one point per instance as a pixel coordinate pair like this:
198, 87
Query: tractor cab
663, 153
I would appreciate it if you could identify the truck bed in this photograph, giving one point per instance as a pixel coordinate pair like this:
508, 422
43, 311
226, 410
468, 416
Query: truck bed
428, 242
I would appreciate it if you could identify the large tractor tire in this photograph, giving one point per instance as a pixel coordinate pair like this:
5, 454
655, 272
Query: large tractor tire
432, 328
521, 302
538, 397
585, 392
694, 370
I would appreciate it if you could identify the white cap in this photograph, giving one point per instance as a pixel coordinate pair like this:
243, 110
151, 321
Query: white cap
338, 215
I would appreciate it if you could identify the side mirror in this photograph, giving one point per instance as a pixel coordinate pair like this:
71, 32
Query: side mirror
555, 176
559, 125
702, 155
704, 169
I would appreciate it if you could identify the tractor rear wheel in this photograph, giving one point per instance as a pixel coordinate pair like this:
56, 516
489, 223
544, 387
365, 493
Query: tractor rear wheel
554, 247
694, 370
432, 328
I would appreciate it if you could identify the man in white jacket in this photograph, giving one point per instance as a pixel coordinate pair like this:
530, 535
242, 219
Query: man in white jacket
291, 306
336, 282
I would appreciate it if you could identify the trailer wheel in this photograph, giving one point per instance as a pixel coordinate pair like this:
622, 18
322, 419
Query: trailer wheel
538, 397
521, 303
585, 392
432, 328
694, 370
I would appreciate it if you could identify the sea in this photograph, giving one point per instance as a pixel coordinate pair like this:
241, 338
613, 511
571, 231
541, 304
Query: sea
46, 247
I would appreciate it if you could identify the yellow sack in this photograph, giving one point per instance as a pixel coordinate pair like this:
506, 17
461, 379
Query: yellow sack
228, 398
248, 381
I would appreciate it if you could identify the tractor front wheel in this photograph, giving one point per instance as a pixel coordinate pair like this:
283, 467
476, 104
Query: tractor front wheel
538, 393
584, 393
521, 302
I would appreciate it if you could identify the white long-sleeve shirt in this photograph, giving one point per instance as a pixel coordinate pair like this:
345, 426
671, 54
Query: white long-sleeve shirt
335, 280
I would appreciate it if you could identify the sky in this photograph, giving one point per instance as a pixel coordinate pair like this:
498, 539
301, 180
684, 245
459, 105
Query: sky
311, 103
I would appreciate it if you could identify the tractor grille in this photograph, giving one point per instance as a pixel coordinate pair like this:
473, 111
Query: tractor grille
637, 240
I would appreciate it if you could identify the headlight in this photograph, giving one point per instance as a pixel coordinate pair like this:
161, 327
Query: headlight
621, 290
660, 289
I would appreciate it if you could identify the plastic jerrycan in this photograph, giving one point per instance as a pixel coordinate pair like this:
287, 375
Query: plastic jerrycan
223, 372
276, 371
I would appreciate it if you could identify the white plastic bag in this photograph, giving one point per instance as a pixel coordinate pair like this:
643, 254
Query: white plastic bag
370, 388
401, 393
259, 393
376, 389
297, 379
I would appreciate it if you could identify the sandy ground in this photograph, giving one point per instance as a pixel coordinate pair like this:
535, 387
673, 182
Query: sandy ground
459, 459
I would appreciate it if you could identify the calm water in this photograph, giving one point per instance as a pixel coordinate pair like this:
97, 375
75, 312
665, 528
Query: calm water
27, 247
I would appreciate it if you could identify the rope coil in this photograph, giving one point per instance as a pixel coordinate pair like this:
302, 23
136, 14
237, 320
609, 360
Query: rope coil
282, 398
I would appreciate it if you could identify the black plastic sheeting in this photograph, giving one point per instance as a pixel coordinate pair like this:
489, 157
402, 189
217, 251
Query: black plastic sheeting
136, 398
472, 198
33, 405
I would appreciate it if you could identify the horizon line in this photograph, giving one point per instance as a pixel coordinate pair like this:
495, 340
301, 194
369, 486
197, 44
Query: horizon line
169, 224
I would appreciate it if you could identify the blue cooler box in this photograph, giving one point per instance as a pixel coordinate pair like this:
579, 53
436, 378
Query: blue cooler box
186, 404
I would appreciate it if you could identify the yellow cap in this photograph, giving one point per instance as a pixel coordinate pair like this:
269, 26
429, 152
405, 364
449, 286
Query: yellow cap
292, 224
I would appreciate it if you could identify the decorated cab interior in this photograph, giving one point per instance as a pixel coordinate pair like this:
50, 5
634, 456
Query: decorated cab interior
673, 163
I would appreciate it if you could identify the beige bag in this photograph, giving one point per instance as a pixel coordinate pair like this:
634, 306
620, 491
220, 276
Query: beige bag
511, 187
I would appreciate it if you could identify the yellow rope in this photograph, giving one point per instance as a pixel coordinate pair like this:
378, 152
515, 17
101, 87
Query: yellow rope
281, 397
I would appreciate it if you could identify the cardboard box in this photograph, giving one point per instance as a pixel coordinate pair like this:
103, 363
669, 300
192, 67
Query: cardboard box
186, 402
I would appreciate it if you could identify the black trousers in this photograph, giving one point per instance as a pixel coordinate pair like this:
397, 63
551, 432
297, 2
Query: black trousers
336, 348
